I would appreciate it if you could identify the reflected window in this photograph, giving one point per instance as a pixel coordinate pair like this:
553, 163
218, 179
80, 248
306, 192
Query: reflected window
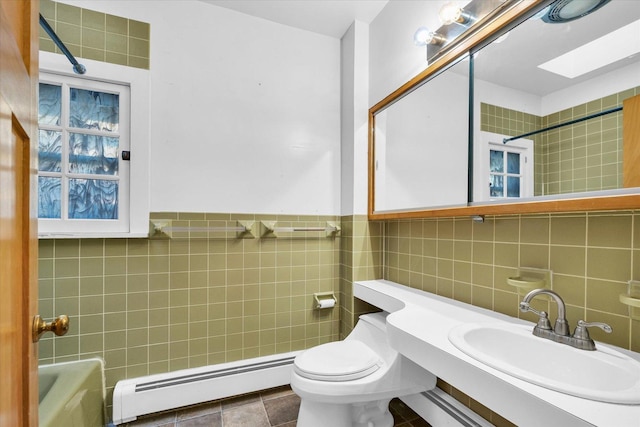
505, 170
504, 174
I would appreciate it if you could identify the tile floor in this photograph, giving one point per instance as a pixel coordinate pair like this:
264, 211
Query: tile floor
268, 408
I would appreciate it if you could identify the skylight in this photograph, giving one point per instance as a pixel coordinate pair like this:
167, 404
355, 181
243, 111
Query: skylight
612, 47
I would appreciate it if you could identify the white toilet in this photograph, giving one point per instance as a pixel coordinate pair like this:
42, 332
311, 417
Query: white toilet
350, 383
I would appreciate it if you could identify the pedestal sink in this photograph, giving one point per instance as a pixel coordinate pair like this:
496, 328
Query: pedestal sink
604, 375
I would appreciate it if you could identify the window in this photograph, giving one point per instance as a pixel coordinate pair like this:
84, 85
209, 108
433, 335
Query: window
87, 186
83, 133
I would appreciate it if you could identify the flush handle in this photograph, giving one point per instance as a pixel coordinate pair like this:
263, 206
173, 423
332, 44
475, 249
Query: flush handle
59, 326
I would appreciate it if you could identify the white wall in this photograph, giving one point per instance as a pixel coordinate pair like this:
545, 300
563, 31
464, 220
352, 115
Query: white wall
245, 113
355, 106
394, 58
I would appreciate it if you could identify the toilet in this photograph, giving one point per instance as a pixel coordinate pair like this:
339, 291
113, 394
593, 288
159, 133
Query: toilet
350, 383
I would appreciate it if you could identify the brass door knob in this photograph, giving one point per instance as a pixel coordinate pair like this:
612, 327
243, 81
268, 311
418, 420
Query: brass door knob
59, 326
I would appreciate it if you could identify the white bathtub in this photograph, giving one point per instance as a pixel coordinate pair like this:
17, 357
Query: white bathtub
72, 394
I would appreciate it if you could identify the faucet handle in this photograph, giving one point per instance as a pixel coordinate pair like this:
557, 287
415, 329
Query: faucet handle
581, 331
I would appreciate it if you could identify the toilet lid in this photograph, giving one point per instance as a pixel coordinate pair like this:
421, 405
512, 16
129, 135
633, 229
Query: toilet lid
337, 361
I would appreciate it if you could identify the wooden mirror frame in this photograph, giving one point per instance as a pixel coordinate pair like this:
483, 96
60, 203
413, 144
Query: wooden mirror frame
473, 38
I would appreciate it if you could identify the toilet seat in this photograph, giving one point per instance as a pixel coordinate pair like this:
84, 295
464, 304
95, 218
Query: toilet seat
337, 361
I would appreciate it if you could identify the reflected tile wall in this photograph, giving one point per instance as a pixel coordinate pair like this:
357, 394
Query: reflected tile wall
586, 156
157, 305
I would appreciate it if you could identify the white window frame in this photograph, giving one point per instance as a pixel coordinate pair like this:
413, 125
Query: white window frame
493, 141
65, 224
137, 199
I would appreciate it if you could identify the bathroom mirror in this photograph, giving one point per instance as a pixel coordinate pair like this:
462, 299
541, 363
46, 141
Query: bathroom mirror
422, 139
543, 74
587, 166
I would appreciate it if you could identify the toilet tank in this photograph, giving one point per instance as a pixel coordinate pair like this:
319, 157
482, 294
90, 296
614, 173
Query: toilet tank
371, 329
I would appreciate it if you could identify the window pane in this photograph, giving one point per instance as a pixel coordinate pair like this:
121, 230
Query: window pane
49, 151
513, 163
513, 186
93, 199
94, 110
49, 104
496, 162
93, 154
496, 186
48, 197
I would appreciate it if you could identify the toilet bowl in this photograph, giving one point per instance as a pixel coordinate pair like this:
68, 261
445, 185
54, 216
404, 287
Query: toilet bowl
350, 383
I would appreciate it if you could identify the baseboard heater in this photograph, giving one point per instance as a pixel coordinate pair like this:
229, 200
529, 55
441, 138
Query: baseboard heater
442, 410
156, 393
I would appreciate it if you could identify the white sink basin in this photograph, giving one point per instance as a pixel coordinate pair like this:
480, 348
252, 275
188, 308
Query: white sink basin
605, 374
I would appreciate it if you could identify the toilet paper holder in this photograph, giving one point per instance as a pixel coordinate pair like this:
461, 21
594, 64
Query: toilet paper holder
324, 300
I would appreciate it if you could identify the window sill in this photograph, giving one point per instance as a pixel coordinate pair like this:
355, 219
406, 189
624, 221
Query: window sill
46, 236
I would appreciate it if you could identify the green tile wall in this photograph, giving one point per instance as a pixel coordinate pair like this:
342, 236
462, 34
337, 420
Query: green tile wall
95, 35
360, 259
592, 256
157, 305
586, 156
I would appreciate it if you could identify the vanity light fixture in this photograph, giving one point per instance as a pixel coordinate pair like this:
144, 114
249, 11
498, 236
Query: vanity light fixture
451, 12
423, 36
474, 12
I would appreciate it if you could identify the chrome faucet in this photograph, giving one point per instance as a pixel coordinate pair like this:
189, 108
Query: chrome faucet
560, 332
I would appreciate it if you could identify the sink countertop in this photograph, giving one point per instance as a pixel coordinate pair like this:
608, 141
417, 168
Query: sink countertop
418, 327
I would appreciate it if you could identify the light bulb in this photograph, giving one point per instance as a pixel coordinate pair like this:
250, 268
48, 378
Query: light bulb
451, 12
423, 36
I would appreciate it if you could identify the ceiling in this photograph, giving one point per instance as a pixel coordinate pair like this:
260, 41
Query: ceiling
513, 63
329, 17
